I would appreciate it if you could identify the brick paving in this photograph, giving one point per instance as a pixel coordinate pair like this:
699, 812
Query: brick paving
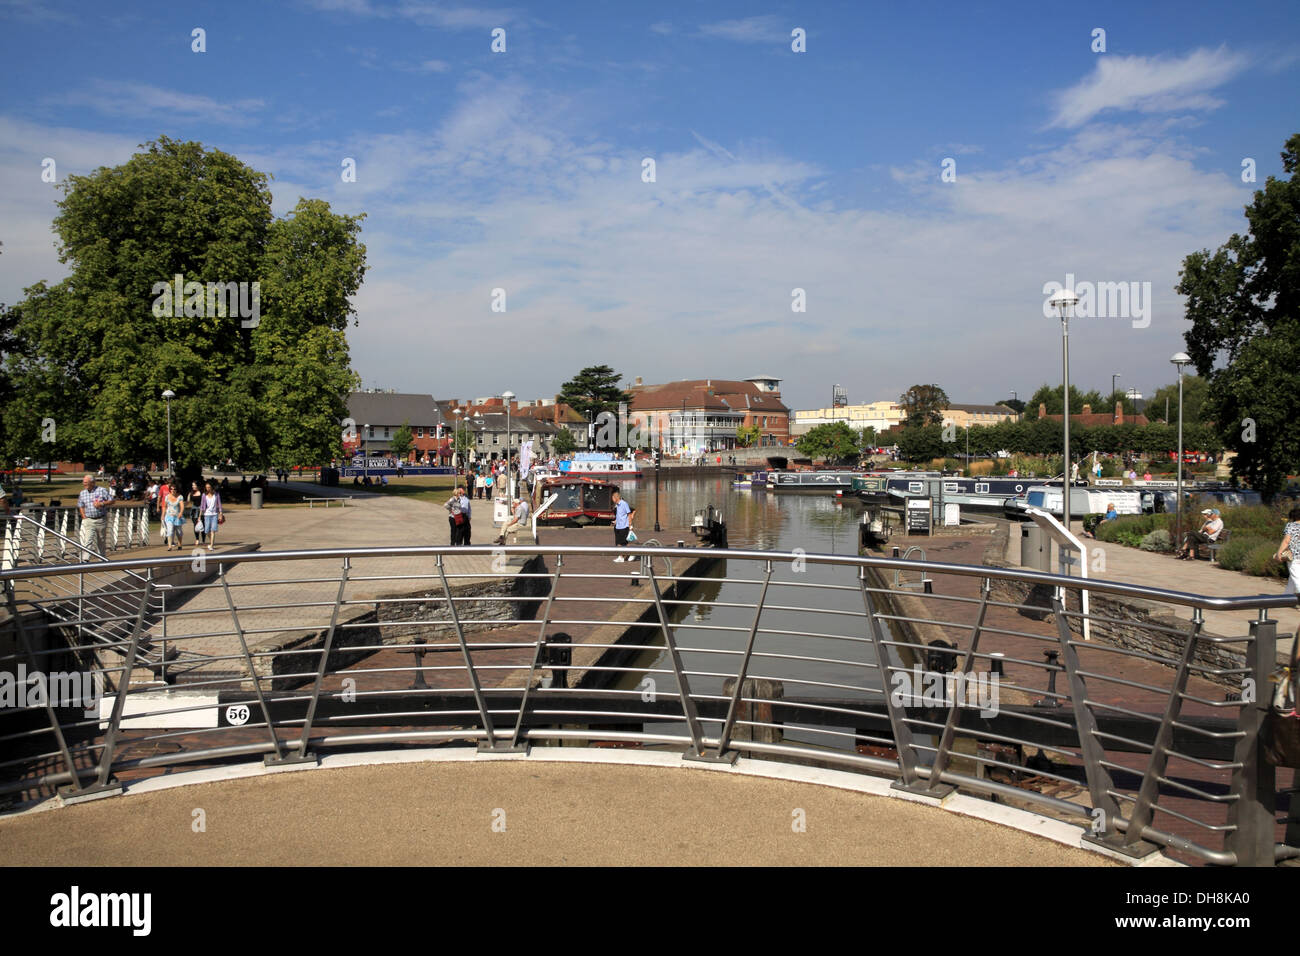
1098, 660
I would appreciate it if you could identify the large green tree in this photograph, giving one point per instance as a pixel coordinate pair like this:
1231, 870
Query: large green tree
95, 351
1196, 392
923, 405
402, 440
594, 390
1243, 301
832, 441
1054, 398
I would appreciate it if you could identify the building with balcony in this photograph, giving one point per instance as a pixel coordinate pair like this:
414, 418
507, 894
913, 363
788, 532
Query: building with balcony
696, 416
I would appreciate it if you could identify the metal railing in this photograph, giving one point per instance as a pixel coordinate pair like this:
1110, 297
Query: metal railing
1149, 741
47, 535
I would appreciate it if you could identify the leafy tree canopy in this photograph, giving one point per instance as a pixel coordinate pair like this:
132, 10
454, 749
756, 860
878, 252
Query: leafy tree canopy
563, 442
1243, 301
254, 382
923, 405
402, 440
1196, 391
832, 441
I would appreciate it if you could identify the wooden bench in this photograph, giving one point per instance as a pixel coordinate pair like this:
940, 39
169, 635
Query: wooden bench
1214, 546
312, 501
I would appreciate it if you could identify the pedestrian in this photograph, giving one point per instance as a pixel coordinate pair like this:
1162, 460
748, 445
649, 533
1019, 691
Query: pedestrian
516, 522
623, 513
93, 504
488, 481
212, 514
458, 516
196, 511
155, 493
173, 508
1289, 550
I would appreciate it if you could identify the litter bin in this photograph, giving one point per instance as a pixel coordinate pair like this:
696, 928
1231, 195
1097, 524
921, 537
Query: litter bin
255, 497
1035, 550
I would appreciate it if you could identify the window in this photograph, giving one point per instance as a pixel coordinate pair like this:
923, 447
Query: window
950, 486
385, 431
419, 431
915, 487
981, 487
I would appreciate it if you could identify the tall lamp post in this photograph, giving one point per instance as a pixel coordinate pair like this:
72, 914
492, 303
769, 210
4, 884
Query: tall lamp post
455, 437
1113, 417
1179, 359
365, 456
507, 396
1064, 302
169, 395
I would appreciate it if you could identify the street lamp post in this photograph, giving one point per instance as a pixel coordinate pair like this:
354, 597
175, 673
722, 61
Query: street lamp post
1113, 418
1179, 359
365, 456
455, 437
169, 395
1064, 302
507, 396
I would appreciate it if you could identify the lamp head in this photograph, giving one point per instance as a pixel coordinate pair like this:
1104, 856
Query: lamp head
1179, 359
1064, 302
169, 394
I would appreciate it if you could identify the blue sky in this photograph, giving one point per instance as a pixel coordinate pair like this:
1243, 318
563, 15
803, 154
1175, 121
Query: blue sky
775, 170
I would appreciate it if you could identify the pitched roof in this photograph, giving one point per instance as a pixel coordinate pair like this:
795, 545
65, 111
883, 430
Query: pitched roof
393, 408
718, 394
981, 409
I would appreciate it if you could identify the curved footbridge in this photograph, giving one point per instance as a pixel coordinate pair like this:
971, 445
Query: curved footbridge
544, 703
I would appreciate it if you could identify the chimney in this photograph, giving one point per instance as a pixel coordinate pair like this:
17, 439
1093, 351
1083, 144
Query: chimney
638, 382
1087, 409
1119, 413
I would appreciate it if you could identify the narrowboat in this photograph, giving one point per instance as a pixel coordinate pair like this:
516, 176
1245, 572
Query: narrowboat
579, 501
810, 482
600, 465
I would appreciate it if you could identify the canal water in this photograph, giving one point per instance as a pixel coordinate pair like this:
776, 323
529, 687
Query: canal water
824, 628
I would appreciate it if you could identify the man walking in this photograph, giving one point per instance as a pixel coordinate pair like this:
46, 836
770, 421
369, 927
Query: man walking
92, 505
623, 513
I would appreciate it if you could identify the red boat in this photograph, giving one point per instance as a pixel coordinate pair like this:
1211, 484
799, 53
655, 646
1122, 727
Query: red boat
579, 501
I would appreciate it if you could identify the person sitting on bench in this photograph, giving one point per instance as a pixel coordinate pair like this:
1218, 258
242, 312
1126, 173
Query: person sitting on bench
1209, 532
517, 522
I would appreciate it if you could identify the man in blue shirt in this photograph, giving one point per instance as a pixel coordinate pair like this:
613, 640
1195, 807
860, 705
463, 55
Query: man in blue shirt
92, 505
623, 513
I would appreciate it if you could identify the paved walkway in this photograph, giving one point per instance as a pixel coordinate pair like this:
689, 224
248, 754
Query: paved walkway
553, 814
262, 592
1134, 566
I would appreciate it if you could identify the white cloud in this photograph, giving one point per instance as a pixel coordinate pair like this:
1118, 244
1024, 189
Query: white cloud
141, 100
1148, 85
423, 12
663, 28
692, 275
767, 28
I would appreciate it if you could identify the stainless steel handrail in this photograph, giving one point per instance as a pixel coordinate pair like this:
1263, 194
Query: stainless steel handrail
838, 689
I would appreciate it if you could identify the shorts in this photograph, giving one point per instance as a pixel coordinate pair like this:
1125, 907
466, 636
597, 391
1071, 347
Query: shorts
620, 537
210, 524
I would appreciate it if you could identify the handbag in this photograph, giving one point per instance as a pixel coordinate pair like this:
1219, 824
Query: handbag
221, 518
631, 535
458, 518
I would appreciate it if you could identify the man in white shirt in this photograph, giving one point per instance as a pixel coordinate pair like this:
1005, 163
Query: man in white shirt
1210, 531
519, 521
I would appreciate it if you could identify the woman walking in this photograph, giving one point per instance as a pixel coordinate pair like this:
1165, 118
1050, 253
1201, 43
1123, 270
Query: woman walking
173, 516
212, 513
1289, 550
196, 511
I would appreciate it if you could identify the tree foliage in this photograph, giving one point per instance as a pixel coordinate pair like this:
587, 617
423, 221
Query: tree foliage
1244, 304
923, 405
1195, 405
1044, 437
593, 390
402, 440
748, 435
95, 351
833, 441
563, 442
